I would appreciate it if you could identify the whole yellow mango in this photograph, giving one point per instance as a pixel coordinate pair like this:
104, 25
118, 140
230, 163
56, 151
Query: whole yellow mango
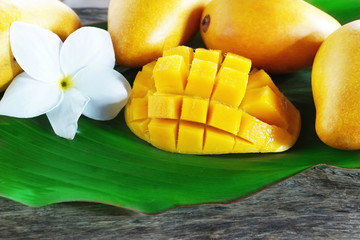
336, 87
50, 14
141, 30
279, 36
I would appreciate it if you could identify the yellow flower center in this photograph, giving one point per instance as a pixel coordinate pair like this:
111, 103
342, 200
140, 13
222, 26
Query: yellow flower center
65, 83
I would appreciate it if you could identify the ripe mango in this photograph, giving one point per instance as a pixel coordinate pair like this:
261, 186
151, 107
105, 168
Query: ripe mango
279, 36
202, 103
141, 30
50, 14
336, 87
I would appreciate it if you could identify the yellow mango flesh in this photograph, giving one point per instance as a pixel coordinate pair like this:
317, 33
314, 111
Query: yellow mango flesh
214, 56
50, 14
335, 85
201, 78
215, 107
279, 36
142, 30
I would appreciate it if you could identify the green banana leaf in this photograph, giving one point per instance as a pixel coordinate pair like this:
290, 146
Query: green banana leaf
107, 163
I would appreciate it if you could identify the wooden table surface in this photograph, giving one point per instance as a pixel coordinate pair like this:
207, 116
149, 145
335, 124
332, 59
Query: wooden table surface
320, 203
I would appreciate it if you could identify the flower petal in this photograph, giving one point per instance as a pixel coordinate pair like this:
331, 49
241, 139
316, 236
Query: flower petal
27, 97
37, 50
63, 118
84, 47
107, 89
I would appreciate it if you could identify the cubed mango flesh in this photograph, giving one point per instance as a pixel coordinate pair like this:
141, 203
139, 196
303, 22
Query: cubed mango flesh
202, 103
224, 117
237, 62
144, 81
201, 78
191, 105
186, 52
170, 74
140, 106
164, 106
190, 137
241, 145
218, 142
230, 86
214, 56
259, 78
163, 133
141, 128
264, 104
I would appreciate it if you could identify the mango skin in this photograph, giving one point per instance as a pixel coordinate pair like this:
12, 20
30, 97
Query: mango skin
50, 14
336, 87
141, 30
279, 36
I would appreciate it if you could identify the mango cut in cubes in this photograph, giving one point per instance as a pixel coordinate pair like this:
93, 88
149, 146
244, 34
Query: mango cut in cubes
204, 103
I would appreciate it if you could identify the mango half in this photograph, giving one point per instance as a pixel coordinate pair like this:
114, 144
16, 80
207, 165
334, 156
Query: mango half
202, 103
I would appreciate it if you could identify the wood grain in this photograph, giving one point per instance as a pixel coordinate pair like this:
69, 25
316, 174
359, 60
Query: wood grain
321, 203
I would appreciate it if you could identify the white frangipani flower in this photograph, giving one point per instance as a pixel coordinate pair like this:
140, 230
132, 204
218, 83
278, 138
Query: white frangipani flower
64, 80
